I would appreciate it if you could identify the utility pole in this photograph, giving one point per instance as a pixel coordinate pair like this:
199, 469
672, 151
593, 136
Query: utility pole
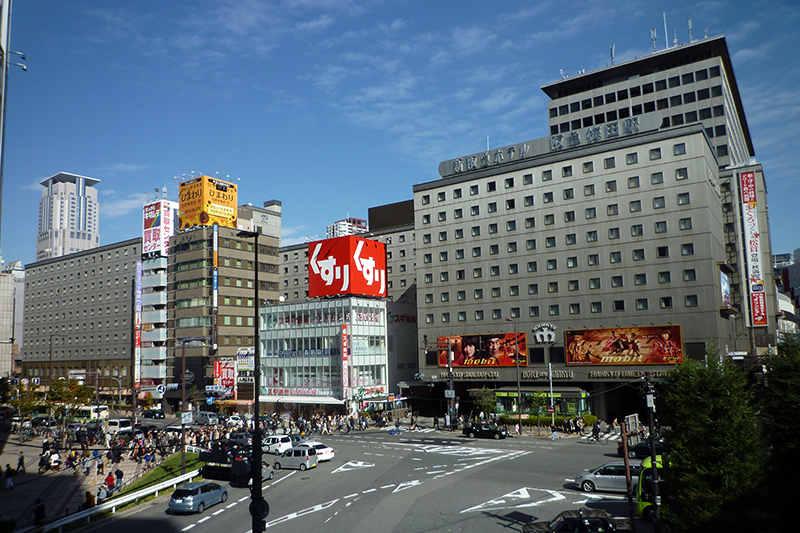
651, 405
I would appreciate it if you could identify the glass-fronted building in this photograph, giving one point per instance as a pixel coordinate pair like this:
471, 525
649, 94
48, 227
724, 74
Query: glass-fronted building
324, 352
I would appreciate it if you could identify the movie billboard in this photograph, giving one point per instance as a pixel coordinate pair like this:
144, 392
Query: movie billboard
496, 349
205, 201
645, 345
346, 265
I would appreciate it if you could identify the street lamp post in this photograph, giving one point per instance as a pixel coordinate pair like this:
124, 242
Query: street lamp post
519, 390
183, 398
258, 506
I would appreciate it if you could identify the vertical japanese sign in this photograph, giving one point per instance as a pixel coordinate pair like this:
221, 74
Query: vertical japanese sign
137, 328
345, 366
158, 228
215, 282
752, 238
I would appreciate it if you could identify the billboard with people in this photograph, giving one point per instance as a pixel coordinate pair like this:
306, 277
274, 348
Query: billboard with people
641, 345
498, 349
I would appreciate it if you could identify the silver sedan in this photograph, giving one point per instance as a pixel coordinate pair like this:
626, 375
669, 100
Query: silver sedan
609, 477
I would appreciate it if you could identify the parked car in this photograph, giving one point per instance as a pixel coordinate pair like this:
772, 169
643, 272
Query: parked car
324, 452
120, 426
485, 430
196, 497
641, 449
44, 422
244, 439
297, 439
609, 477
153, 413
301, 458
580, 520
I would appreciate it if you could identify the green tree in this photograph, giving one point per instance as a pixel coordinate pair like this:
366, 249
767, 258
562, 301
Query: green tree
24, 400
66, 394
486, 400
716, 448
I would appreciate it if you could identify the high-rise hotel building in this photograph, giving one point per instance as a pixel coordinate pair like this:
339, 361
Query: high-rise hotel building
68, 216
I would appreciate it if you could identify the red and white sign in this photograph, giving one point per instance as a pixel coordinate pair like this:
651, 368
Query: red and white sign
225, 373
347, 265
752, 237
345, 367
158, 228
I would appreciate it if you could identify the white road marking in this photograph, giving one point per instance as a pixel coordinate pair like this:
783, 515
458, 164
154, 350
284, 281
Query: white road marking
407, 485
218, 512
244, 498
353, 465
351, 495
304, 512
231, 505
187, 528
368, 490
388, 486
508, 500
203, 519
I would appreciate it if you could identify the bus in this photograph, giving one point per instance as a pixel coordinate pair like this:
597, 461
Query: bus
87, 413
645, 506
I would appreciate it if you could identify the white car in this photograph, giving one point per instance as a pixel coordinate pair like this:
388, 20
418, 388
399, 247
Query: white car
324, 452
235, 420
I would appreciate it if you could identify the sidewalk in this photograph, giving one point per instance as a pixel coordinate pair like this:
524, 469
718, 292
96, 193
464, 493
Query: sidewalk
62, 492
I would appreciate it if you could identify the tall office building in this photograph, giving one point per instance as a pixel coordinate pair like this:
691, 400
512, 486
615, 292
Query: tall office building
348, 226
69, 216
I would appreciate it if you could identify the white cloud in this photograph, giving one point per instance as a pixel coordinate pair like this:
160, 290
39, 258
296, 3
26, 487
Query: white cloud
119, 168
122, 206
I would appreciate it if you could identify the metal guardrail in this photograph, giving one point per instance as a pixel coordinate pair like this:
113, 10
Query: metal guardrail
112, 504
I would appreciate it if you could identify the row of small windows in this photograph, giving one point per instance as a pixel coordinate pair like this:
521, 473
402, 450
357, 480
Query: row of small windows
632, 158
76, 262
611, 116
689, 275
647, 88
661, 252
641, 304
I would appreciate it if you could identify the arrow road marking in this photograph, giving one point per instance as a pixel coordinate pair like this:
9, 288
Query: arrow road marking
508, 500
353, 465
304, 512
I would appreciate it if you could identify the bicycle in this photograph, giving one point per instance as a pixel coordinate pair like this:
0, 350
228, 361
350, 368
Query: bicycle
602, 439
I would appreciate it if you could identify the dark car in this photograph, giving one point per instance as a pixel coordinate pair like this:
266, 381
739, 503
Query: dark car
581, 520
153, 413
640, 450
489, 431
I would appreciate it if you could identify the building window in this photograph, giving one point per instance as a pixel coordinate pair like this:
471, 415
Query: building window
475, 210
611, 186
495, 292
613, 233
681, 174
429, 278
492, 228
549, 242
515, 312
593, 260
641, 304
493, 207
609, 163
456, 193
635, 206
426, 199
616, 281
442, 216
687, 249
612, 210
530, 222
597, 307
618, 305
588, 167
477, 272
532, 266
459, 234
553, 310
529, 201
549, 220
662, 252
509, 183
573, 285
572, 262
591, 236
566, 171
679, 149
659, 202
571, 239
510, 204
574, 309
547, 175
513, 290
569, 194
479, 314
511, 225
426, 219
473, 190
462, 316
632, 159
633, 182
661, 227
552, 264
533, 311
685, 223
552, 287
683, 198
530, 244
460, 253
547, 197
511, 247
442, 236
533, 288
591, 212
476, 231
689, 275
442, 256
615, 257
664, 277
494, 249
429, 319
461, 275
655, 154
444, 276
476, 251
657, 178
638, 254
640, 279
477, 294
527, 179
569, 216
427, 258
458, 213
445, 296
588, 190
594, 283
665, 302
491, 186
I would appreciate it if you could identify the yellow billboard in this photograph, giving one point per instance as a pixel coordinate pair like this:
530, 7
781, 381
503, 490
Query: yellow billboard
205, 201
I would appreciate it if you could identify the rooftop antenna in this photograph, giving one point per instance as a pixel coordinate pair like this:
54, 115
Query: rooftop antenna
666, 34
705, 33
562, 74
612, 52
690, 31
487, 143
675, 38
653, 37
164, 192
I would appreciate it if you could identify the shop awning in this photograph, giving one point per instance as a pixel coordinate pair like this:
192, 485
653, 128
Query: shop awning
327, 400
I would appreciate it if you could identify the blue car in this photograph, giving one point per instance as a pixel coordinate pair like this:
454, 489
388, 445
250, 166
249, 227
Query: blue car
196, 497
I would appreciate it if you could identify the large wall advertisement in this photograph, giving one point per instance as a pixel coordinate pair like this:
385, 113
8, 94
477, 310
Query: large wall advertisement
205, 201
158, 228
346, 265
484, 350
645, 345
752, 238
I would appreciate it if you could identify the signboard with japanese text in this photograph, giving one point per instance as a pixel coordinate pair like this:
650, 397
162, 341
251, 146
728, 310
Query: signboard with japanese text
224, 373
159, 225
484, 350
345, 366
347, 265
205, 201
137, 327
640, 345
752, 242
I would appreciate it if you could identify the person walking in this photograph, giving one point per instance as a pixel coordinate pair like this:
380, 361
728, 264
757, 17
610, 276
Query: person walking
21, 463
435, 422
9, 477
110, 484
38, 512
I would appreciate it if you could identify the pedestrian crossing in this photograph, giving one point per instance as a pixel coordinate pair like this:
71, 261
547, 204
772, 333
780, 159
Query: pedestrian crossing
612, 437
405, 429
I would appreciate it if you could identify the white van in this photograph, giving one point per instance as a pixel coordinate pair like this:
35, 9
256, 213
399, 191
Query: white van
276, 444
302, 458
205, 418
120, 426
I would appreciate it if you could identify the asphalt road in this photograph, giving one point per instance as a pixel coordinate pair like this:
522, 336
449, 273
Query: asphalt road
412, 482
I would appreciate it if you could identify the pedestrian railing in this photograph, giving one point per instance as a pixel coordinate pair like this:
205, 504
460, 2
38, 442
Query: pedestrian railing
112, 504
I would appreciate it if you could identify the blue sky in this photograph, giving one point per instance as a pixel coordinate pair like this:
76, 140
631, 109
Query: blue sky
335, 106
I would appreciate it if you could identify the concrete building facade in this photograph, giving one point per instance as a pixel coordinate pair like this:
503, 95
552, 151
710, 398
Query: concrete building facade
69, 216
